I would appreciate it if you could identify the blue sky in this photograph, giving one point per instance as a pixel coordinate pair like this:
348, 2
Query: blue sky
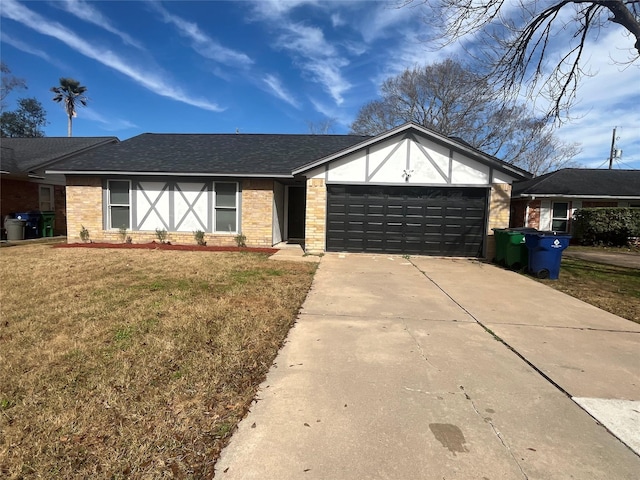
263, 67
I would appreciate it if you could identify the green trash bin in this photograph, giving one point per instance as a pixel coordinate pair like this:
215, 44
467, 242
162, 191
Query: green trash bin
501, 238
48, 219
516, 254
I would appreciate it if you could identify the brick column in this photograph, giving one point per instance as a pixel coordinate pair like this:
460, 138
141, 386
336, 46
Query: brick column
499, 211
257, 212
316, 215
84, 207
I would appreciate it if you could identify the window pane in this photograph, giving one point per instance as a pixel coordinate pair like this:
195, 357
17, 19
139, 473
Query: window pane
560, 210
225, 220
119, 193
119, 217
559, 225
225, 195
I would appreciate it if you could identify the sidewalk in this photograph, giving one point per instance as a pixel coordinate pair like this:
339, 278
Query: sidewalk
389, 374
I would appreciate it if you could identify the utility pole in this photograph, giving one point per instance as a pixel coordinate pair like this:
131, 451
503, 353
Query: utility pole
613, 148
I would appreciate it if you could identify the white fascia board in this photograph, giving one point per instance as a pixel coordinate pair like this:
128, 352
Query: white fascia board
555, 195
164, 174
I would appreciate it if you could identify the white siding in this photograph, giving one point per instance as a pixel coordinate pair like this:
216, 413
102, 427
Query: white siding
191, 207
426, 163
152, 200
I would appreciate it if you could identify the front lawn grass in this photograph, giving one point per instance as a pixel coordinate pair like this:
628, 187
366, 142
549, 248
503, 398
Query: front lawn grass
611, 288
134, 363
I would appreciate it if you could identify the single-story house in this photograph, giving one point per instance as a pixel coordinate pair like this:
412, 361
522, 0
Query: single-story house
409, 190
24, 185
549, 201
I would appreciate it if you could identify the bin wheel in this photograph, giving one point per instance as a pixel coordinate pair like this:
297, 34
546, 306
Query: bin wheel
516, 266
544, 273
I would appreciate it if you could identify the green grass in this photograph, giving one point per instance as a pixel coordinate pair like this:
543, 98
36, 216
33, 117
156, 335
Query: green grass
614, 289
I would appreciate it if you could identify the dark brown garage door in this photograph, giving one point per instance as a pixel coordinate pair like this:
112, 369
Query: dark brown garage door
413, 220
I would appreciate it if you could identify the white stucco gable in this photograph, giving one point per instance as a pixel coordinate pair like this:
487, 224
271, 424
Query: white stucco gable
412, 155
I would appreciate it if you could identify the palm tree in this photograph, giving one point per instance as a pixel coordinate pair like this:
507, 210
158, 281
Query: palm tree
71, 92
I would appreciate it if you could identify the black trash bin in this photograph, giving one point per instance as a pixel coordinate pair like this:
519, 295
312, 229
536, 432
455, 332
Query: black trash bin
545, 253
32, 227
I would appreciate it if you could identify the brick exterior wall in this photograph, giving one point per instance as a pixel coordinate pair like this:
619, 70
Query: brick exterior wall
499, 212
534, 214
84, 208
315, 225
257, 212
23, 196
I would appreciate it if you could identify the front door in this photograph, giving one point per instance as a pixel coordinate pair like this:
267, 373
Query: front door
296, 202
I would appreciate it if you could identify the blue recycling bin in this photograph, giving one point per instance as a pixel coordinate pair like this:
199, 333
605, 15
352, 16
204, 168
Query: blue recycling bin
32, 226
545, 253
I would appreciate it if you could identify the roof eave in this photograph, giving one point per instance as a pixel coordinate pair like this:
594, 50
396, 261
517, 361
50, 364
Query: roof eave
569, 195
165, 174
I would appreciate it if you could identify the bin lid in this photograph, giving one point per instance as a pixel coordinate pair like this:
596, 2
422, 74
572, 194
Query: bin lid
549, 233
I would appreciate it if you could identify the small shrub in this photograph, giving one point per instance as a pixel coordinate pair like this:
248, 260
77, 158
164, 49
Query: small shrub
199, 236
84, 234
122, 231
241, 240
161, 234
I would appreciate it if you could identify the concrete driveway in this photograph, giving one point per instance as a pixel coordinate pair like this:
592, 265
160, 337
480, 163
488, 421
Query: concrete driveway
427, 368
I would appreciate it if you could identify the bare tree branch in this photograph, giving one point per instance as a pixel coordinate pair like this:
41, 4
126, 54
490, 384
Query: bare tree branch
519, 40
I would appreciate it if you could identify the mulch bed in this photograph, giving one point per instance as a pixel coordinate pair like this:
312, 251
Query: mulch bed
167, 246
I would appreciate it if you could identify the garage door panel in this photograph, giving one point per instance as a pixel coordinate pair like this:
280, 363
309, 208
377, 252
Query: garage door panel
414, 220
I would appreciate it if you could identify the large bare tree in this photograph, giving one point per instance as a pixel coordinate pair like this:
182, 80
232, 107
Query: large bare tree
458, 102
534, 47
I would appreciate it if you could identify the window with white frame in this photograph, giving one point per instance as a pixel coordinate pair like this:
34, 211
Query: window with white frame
226, 207
46, 198
560, 217
119, 203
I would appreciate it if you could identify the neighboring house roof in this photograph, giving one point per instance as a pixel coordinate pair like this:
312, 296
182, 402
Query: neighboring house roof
453, 143
23, 155
209, 154
581, 182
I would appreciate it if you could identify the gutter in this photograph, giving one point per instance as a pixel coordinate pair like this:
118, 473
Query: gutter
555, 195
164, 174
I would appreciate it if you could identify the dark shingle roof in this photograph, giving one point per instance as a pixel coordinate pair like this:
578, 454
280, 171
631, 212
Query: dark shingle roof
582, 182
21, 155
228, 154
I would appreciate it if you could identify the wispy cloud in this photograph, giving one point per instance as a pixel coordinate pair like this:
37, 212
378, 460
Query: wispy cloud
20, 45
316, 57
89, 13
276, 9
149, 80
276, 88
110, 124
201, 42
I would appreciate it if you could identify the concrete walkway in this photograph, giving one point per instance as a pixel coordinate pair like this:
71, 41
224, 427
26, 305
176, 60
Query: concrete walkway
393, 371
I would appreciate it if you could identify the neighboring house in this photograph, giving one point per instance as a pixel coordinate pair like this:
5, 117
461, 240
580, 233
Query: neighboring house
409, 190
549, 201
24, 185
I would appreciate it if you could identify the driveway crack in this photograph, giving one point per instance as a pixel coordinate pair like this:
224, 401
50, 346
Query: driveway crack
419, 347
495, 431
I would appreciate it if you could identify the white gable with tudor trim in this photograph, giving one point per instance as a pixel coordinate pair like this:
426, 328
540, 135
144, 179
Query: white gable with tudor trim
409, 158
